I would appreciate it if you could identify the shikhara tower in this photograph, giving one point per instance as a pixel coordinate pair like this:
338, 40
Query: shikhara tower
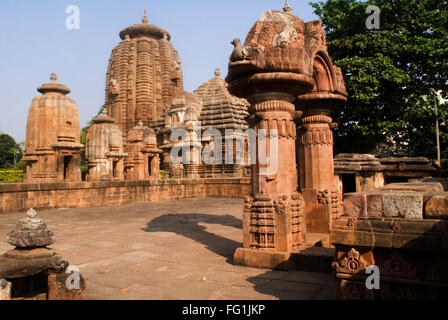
143, 76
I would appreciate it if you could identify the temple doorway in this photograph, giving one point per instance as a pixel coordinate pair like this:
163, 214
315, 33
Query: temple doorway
348, 183
114, 169
150, 166
67, 165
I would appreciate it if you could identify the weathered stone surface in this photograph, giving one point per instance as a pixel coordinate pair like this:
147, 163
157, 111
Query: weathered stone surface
31, 232
52, 148
374, 205
414, 186
355, 204
57, 287
407, 167
401, 204
355, 162
5, 290
27, 266
437, 207
442, 181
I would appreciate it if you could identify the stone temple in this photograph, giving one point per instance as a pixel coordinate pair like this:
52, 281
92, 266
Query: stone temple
104, 150
143, 76
303, 208
146, 101
53, 148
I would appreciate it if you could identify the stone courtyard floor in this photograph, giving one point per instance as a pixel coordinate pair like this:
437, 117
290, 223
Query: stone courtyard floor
167, 250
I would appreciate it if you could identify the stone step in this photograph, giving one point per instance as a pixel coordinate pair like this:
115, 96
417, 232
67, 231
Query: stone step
317, 240
315, 255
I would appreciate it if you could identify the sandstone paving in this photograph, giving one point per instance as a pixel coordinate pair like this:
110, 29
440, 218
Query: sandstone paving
178, 249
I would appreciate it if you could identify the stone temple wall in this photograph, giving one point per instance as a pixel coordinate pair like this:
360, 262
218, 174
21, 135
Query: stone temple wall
22, 196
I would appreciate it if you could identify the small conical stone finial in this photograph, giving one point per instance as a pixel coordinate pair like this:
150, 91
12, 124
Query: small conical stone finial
140, 123
217, 73
53, 77
287, 7
31, 213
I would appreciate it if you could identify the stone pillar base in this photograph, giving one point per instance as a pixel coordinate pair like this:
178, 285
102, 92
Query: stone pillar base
313, 259
262, 259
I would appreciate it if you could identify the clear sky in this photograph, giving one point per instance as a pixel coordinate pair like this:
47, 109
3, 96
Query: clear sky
35, 42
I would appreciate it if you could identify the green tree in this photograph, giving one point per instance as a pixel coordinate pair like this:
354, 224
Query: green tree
10, 151
388, 72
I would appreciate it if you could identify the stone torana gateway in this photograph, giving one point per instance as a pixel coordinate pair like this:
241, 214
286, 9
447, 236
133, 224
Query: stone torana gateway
312, 213
284, 71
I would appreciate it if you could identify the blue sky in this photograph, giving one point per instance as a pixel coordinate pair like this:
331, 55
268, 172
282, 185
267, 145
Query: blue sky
35, 43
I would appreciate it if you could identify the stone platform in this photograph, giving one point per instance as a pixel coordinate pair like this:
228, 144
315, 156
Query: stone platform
315, 255
178, 249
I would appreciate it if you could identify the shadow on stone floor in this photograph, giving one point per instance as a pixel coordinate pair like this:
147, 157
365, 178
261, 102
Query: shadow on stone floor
294, 285
187, 225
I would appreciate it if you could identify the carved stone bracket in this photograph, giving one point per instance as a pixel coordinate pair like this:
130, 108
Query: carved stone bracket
324, 197
351, 263
281, 205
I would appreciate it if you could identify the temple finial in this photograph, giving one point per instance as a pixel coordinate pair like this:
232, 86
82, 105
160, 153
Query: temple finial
145, 18
287, 7
31, 213
217, 73
53, 77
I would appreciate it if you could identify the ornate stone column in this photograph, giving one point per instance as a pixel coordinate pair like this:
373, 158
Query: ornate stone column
272, 112
315, 149
273, 224
268, 72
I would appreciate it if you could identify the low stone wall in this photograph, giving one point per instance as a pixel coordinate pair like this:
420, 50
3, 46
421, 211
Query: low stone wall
401, 229
22, 196
399, 200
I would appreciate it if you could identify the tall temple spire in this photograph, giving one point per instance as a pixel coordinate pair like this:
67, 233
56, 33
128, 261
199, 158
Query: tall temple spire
287, 7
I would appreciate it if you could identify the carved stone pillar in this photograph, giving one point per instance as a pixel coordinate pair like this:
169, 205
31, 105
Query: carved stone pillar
273, 223
316, 158
315, 155
273, 113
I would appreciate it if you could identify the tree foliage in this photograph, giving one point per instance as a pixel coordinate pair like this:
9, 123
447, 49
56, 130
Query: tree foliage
390, 74
10, 151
